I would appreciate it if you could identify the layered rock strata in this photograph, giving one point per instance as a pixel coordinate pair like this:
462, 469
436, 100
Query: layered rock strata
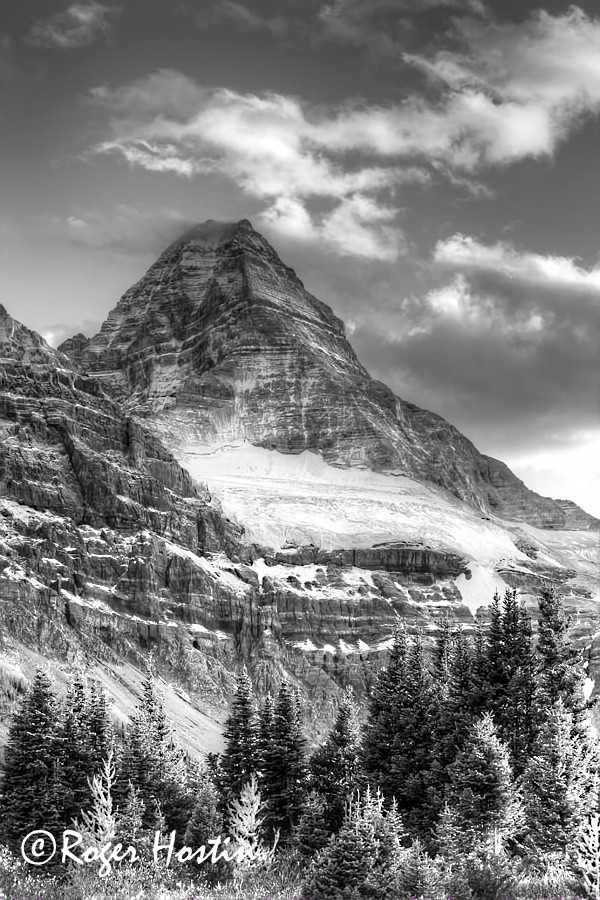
220, 341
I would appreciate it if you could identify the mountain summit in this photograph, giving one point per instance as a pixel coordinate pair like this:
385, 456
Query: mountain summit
220, 342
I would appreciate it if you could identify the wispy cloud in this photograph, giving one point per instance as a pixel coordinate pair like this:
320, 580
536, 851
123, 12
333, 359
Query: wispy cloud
78, 26
507, 345
125, 230
242, 16
381, 25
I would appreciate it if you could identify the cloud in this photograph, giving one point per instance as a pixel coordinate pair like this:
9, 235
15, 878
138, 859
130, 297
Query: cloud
124, 231
56, 333
270, 146
382, 25
78, 26
241, 15
510, 92
507, 345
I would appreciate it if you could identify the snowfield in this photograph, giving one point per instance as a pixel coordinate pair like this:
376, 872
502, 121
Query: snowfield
285, 500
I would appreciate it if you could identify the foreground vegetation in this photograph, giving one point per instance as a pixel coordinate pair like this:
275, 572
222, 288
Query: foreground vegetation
473, 777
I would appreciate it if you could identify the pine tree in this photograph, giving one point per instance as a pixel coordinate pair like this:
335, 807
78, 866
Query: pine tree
76, 763
29, 789
512, 687
246, 816
364, 859
284, 772
100, 726
379, 729
558, 786
264, 745
206, 824
130, 823
343, 866
455, 712
561, 670
154, 765
335, 765
482, 796
312, 832
240, 758
397, 745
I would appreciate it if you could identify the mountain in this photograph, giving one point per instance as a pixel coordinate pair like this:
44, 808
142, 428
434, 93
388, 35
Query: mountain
220, 341
214, 477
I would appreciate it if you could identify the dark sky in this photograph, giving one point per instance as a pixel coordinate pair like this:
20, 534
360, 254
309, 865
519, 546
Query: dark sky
429, 167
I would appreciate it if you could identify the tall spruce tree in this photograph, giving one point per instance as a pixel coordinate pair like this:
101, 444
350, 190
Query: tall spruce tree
74, 754
458, 705
379, 729
240, 758
483, 801
283, 782
397, 747
100, 726
561, 670
155, 766
30, 796
512, 686
558, 786
335, 765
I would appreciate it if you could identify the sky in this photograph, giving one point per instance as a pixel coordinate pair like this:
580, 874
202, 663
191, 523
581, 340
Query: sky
428, 167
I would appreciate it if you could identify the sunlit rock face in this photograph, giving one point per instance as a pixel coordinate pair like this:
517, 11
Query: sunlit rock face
220, 342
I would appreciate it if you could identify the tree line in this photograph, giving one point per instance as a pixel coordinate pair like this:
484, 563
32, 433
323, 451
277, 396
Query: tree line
469, 766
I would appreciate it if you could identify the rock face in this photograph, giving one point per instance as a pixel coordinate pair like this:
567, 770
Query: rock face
110, 547
220, 341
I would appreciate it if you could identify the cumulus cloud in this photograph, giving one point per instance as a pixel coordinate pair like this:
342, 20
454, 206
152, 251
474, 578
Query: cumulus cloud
270, 146
507, 345
78, 26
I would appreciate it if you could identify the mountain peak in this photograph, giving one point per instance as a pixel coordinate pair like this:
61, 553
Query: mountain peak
221, 342
24, 346
214, 233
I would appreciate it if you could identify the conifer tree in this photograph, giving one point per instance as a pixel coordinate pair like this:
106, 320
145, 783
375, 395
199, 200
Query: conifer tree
266, 717
456, 710
335, 765
154, 765
512, 687
482, 797
130, 824
558, 786
206, 824
313, 832
364, 859
284, 771
29, 789
76, 764
240, 758
100, 726
397, 744
561, 670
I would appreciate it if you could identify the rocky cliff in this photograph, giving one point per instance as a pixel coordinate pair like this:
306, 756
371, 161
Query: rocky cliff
215, 477
220, 341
